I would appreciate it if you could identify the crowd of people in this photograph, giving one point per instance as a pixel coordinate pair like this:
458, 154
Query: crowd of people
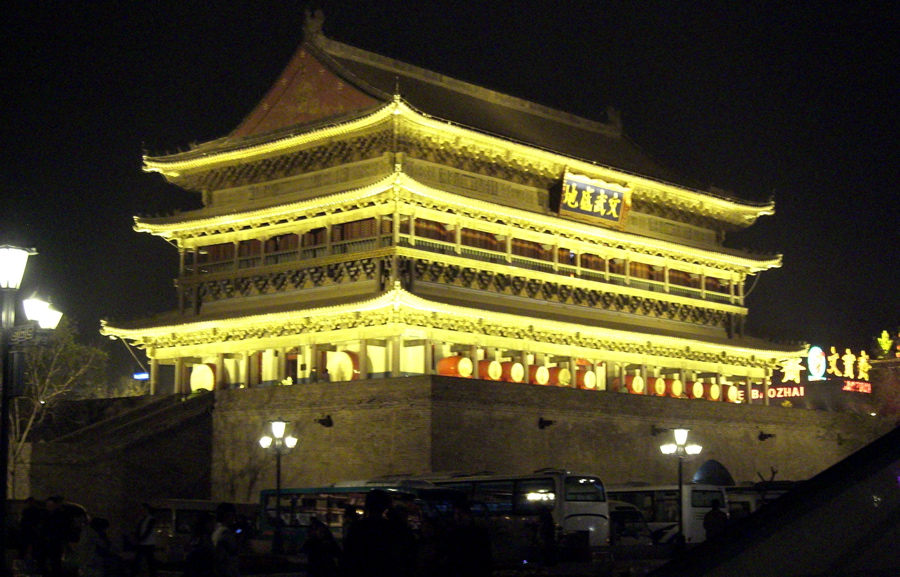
58, 539
381, 544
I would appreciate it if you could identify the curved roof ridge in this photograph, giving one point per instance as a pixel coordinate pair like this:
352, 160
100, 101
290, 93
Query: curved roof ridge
339, 49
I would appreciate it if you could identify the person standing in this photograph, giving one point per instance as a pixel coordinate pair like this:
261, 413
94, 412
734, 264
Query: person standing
715, 520
200, 560
145, 542
30, 530
468, 546
322, 550
95, 555
225, 543
373, 547
55, 534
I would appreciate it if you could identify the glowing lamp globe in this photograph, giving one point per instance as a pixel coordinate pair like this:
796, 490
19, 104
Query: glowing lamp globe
12, 265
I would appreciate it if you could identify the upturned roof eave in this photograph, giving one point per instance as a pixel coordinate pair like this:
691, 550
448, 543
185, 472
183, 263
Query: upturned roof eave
398, 298
170, 227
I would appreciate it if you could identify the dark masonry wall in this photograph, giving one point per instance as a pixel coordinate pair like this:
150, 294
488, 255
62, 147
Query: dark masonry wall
160, 450
421, 424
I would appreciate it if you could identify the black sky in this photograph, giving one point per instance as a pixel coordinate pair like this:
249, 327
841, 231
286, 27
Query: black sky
793, 100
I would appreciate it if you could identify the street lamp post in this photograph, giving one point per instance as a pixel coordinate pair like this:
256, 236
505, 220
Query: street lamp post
279, 444
680, 449
12, 268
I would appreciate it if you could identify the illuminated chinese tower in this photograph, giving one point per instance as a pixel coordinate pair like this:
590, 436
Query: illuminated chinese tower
370, 219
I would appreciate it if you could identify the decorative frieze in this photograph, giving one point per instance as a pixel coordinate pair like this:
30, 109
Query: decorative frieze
531, 332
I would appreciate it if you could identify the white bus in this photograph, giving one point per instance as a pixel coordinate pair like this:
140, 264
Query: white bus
659, 504
550, 512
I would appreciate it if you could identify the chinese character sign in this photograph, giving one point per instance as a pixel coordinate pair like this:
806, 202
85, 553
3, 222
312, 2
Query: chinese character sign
835, 364
594, 201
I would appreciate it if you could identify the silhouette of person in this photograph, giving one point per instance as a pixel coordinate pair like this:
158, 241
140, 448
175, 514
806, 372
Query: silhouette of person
30, 530
200, 559
373, 543
225, 544
95, 555
351, 516
322, 550
715, 520
56, 532
145, 542
468, 546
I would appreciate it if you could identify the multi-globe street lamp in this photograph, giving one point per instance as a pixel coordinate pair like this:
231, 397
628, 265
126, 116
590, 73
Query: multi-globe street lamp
680, 449
279, 444
12, 268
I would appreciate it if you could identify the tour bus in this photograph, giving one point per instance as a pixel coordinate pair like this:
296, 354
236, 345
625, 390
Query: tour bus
337, 505
522, 511
746, 498
659, 504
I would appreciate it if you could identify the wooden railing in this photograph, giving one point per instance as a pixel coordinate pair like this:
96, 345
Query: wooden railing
469, 252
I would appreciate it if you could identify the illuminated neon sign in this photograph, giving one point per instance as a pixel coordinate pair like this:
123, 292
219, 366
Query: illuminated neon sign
821, 366
857, 386
817, 364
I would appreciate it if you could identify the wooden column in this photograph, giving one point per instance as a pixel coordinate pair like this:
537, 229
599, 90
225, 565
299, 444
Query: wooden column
429, 357
395, 355
245, 369
221, 381
179, 377
282, 364
363, 359
313, 363
154, 375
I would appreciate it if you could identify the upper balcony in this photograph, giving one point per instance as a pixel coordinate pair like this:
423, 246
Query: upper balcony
223, 260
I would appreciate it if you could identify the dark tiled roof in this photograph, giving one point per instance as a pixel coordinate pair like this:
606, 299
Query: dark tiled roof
491, 112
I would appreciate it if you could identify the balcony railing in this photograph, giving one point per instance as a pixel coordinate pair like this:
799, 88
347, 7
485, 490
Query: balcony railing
468, 252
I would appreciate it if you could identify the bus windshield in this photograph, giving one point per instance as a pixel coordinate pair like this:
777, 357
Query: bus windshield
584, 489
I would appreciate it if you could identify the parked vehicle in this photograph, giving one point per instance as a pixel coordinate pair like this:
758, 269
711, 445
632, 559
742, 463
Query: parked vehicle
338, 504
659, 505
550, 512
176, 519
747, 498
632, 548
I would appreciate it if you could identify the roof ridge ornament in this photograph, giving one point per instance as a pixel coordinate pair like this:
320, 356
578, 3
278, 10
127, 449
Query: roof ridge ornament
313, 22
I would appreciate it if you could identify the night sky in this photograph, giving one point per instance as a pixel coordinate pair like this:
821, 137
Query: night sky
797, 101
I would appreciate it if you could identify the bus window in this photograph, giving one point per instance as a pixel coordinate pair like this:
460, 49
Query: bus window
535, 495
497, 496
666, 506
704, 498
584, 489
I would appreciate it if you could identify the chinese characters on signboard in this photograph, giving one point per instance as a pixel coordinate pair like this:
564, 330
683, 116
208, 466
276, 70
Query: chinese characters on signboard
844, 365
594, 201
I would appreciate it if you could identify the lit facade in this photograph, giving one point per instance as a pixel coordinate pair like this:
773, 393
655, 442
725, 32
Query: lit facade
370, 219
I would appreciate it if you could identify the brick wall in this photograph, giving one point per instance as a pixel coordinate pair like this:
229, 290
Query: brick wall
421, 424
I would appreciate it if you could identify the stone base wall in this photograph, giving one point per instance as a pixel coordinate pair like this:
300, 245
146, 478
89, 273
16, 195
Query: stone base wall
422, 424
425, 424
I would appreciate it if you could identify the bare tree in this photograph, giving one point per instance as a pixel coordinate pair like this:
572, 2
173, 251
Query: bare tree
56, 368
